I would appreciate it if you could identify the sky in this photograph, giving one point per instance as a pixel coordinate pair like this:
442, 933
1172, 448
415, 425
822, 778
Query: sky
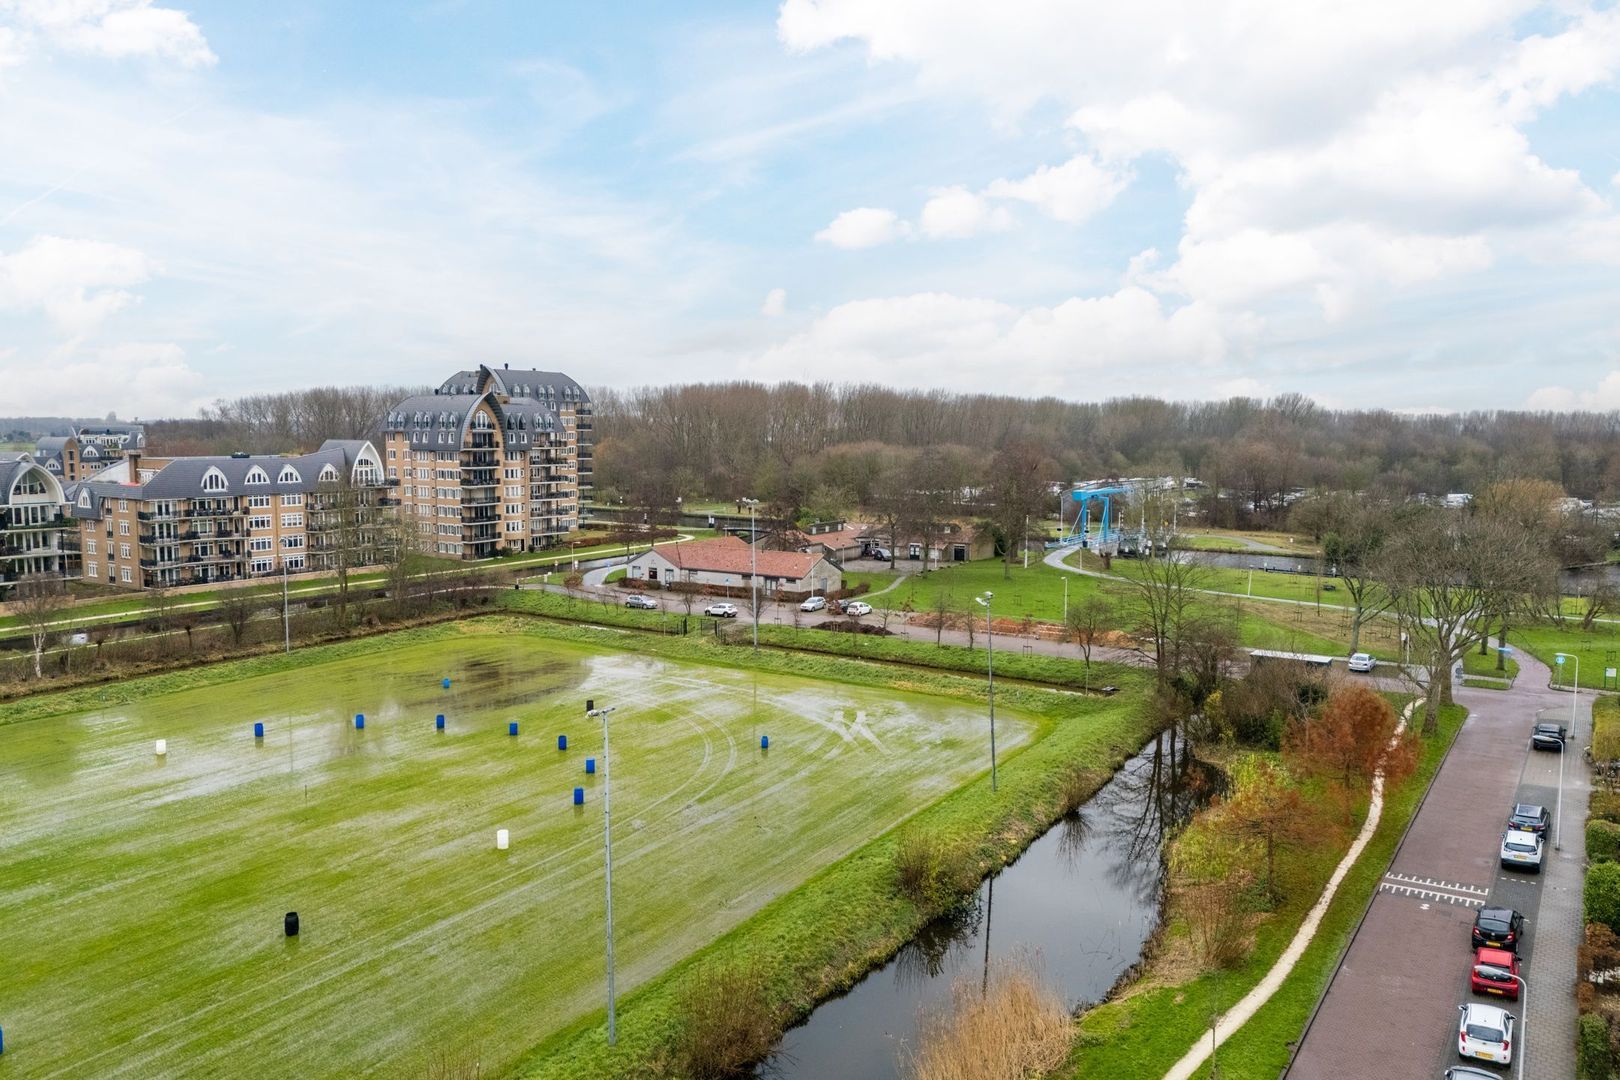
1388, 205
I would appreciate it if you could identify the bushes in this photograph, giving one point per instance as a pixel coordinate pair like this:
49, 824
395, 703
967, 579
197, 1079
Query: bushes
1602, 841
725, 1022
931, 871
1606, 730
1605, 804
1594, 1058
1601, 897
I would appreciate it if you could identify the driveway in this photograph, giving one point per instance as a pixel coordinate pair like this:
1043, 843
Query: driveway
1391, 1008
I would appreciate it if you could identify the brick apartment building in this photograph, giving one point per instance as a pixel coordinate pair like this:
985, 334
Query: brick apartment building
88, 449
33, 528
495, 459
159, 522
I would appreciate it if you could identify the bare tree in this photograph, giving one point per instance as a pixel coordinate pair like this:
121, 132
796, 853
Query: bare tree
1162, 601
159, 608
1018, 488
1090, 616
342, 534
1355, 527
1447, 574
41, 599
237, 607
401, 552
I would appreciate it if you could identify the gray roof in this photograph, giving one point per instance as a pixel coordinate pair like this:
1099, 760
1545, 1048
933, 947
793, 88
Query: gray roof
548, 386
182, 478
453, 412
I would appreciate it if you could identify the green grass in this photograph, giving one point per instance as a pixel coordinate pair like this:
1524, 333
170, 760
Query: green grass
1145, 1033
1475, 664
153, 890
1597, 650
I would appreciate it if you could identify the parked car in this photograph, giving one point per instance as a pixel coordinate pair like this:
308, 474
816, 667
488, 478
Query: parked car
78, 637
1493, 973
814, 603
857, 608
721, 611
1468, 1072
1485, 1032
645, 603
1548, 736
1362, 662
1521, 851
1498, 927
1527, 817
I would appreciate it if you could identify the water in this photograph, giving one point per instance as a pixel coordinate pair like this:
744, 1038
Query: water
1081, 901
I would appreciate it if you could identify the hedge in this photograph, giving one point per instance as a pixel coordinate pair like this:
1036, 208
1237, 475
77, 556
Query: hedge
1605, 804
1601, 897
1594, 1059
1602, 841
1606, 729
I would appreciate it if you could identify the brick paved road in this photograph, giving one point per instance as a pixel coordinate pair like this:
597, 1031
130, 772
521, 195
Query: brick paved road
1391, 1010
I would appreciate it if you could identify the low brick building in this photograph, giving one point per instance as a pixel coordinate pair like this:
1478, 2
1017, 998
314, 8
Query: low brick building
727, 562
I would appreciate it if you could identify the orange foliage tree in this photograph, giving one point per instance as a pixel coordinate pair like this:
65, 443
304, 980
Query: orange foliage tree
1352, 738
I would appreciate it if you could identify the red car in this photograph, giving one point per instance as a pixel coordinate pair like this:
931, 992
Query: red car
1494, 973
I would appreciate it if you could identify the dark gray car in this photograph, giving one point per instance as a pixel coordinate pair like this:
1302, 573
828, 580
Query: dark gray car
1548, 737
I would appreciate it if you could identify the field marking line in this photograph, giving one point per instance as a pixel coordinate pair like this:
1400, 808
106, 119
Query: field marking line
1250, 1003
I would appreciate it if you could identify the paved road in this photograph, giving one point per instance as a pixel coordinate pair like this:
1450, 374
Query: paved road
1391, 1009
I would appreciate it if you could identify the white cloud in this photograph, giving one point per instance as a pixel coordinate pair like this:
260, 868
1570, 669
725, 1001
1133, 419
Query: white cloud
134, 379
956, 213
968, 343
76, 283
863, 227
108, 28
1072, 192
1605, 397
775, 303
1332, 153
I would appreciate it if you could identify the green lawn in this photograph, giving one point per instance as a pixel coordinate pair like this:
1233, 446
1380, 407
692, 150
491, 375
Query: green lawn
1144, 1033
141, 898
1598, 650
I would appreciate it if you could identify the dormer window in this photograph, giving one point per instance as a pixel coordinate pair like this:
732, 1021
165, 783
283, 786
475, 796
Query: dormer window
289, 475
329, 475
214, 480
257, 475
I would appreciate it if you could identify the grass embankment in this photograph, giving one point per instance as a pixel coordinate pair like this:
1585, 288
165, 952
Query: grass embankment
1243, 541
1154, 1023
832, 927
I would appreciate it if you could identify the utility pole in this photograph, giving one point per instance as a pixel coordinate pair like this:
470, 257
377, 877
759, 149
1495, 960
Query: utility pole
607, 850
753, 557
286, 621
990, 677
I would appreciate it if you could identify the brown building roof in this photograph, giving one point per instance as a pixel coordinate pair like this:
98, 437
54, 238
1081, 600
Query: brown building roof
729, 555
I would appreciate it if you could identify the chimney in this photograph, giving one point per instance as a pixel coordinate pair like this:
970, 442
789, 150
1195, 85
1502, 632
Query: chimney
508, 367
134, 459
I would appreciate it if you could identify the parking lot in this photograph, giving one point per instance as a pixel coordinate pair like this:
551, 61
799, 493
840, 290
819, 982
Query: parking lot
1391, 1008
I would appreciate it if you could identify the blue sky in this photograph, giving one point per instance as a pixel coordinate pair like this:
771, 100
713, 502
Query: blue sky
1368, 205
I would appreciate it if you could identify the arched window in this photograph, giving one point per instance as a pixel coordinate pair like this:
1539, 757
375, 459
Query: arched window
289, 475
329, 475
257, 475
214, 480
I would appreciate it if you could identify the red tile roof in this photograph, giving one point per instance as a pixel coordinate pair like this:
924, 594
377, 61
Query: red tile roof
729, 555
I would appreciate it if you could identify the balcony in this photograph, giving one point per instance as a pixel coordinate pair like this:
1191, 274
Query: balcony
155, 515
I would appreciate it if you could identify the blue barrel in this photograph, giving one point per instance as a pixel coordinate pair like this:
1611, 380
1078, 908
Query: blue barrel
359, 721
590, 765
764, 742
438, 721
511, 729
2, 1040
447, 684
579, 796
258, 730
562, 742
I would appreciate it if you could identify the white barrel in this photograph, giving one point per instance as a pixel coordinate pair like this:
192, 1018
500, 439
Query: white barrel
502, 840
162, 747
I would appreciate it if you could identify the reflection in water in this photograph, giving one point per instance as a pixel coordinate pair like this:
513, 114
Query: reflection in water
1083, 899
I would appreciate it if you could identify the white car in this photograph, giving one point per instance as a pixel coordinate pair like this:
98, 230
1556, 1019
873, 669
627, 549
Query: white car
721, 611
78, 637
857, 608
1521, 851
814, 603
1362, 662
1486, 1032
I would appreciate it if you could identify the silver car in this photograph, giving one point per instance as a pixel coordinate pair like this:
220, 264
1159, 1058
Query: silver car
1521, 851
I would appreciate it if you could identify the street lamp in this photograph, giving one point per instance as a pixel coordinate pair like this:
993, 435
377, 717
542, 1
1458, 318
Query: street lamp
607, 848
753, 575
1558, 820
286, 621
990, 677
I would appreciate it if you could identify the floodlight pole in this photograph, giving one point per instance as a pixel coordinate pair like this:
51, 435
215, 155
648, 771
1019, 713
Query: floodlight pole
990, 678
753, 576
286, 620
607, 848
1558, 814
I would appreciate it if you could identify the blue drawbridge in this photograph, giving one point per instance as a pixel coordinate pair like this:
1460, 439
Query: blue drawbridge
1105, 539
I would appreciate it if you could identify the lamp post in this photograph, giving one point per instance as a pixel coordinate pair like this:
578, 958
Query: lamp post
1558, 819
1524, 1001
753, 571
607, 850
286, 620
990, 677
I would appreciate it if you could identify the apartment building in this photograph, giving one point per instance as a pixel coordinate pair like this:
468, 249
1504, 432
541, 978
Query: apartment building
159, 522
495, 459
32, 522
88, 449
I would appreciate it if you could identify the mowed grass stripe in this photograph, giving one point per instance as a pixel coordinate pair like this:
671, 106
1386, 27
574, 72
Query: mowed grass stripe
143, 900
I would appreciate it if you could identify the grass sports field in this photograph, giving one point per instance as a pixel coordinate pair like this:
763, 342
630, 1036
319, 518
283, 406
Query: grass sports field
141, 899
